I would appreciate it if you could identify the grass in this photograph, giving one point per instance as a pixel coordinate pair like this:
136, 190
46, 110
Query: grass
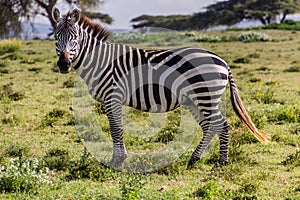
37, 127
10, 46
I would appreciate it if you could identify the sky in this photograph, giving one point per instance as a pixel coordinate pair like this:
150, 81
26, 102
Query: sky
122, 11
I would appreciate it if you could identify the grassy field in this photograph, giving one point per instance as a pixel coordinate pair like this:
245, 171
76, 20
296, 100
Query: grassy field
42, 156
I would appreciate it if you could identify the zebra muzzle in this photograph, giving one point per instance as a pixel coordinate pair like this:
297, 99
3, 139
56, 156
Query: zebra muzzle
64, 62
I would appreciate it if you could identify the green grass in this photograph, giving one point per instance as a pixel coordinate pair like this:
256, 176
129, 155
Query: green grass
37, 126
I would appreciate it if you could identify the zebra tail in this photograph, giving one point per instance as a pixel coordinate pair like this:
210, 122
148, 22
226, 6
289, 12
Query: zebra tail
240, 110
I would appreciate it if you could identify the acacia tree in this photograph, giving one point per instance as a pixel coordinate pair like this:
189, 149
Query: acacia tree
227, 13
85, 5
234, 11
11, 11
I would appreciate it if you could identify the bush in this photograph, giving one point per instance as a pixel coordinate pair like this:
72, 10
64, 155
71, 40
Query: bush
206, 38
10, 46
89, 168
265, 97
57, 159
286, 25
52, 117
23, 176
85, 167
254, 37
69, 83
293, 159
131, 185
16, 150
12, 120
284, 113
293, 69
203, 37
6, 92
209, 191
242, 60
295, 130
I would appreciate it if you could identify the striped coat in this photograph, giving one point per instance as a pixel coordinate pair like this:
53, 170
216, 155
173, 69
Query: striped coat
149, 80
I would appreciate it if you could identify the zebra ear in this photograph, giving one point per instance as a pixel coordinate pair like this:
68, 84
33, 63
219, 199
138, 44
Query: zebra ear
75, 15
56, 14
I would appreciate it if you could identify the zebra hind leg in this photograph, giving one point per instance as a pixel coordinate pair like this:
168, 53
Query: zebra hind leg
208, 134
211, 126
196, 155
223, 136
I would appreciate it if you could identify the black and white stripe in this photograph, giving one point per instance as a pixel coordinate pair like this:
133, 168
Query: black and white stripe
153, 81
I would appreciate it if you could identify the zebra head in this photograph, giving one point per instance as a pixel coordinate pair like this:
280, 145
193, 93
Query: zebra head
67, 37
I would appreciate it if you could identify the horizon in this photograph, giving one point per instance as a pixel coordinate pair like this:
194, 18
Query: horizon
123, 11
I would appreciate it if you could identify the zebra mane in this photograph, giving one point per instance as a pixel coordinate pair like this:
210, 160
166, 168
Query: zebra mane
97, 30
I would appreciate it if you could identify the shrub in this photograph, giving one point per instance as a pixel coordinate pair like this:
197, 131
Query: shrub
23, 176
52, 117
265, 97
206, 38
263, 68
284, 113
209, 38
3, 64
293, 69
6, 92
35, 69
57, 159
254, 80
243, 60
69, 83
295, 130
89, 168
12, 120
247, 190
286, 25
254, 55
16, 150
293, 159
85, 167
131, 185
10, 46
209, 191
254, 37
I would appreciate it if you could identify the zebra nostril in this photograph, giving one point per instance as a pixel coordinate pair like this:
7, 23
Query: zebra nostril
68, 62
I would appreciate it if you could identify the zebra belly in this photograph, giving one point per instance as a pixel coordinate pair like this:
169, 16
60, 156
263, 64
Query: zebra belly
152, 98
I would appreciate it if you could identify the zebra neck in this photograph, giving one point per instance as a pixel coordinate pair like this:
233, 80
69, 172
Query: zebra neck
84, 39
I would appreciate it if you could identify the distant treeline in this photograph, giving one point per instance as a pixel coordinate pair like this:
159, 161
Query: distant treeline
227, 13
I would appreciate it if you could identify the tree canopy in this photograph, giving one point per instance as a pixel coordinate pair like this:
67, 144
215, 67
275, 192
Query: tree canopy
224, 13
11, 11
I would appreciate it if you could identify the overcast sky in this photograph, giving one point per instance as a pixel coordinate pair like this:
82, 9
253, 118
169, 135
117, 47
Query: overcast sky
122, 11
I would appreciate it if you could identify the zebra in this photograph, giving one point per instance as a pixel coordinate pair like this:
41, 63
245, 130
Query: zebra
148, 80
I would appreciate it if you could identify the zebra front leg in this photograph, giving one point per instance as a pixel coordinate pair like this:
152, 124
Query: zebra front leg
113, 111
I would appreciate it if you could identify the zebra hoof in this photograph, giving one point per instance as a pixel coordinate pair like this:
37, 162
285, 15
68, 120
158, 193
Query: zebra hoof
192, 162
223, 163
117, 162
